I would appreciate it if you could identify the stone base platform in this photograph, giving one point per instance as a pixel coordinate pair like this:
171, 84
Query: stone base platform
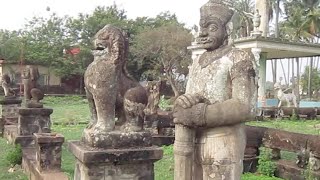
11, 134
33, 173
116, 139
120, 164
289, 170
160, 140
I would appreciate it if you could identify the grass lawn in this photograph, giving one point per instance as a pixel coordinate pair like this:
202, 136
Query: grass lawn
69, 111
298, 126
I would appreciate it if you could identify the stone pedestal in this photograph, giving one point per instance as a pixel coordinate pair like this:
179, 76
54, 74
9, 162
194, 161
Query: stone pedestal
120, 164
43, 161
48, 151
9, 111
32, 120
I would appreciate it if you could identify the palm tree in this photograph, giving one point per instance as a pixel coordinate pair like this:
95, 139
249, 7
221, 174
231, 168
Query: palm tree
242, 8
312, 19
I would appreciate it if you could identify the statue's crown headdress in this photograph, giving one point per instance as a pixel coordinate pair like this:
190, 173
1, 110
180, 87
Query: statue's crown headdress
219, 9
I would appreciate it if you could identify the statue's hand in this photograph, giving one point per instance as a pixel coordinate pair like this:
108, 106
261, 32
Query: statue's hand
188, 100
193, 116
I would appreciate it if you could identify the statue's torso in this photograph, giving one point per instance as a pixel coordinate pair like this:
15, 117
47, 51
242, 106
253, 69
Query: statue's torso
212, 81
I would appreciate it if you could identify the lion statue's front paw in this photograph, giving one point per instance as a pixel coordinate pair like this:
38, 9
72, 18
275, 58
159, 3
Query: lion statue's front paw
100, 127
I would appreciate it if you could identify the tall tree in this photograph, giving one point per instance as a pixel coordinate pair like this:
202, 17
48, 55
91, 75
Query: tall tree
243, 22
164, 49
10, 45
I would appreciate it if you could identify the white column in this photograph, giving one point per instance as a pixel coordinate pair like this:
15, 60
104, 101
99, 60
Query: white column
260, 67
262, 6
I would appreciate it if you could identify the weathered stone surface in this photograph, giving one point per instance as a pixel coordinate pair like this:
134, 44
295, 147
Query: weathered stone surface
136, 171
29, 166
6, 85
161, 140
48, 151
30, 77
289, 141
9, 110
34, 120
111, 91
117, 139
10, 100
289, 170
10, 133
221, 94
87, 154
100, 164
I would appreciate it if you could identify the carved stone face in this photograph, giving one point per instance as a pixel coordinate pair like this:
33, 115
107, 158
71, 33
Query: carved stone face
212, 33
106, 37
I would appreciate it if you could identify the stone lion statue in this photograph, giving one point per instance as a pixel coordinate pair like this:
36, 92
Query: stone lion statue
5, 83
30, 77
112, 93
288, 99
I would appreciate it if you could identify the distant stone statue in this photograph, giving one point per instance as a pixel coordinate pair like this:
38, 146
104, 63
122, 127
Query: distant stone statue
112, 93
221, 94
290, 100
195, 32
153, 88
5, 83
32, 93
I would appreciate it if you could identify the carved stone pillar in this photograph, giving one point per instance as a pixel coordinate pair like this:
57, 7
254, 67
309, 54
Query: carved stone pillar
123, 163
32, 120
48, 151
260, 66
9, 110
262, 6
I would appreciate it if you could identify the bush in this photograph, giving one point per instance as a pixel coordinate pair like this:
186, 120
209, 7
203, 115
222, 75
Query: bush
266, 165
15, 156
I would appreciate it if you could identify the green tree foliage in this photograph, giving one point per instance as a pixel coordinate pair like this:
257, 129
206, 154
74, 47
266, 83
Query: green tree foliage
315, 79
302, 20
164, 50
44, 41
10, 43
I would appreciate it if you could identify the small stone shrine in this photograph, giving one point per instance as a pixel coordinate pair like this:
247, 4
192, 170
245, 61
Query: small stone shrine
114, 149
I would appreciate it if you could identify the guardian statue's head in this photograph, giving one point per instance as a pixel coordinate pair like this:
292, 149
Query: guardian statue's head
214, 16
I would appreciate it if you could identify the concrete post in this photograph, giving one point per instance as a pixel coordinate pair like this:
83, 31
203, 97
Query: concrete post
263, 8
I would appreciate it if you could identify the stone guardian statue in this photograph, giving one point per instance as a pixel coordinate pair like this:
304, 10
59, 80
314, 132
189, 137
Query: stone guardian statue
221, 94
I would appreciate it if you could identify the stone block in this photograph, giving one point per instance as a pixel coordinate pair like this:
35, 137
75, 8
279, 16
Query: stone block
120, 164
9, 110
48, 151
117, 139
29, 166
34, 120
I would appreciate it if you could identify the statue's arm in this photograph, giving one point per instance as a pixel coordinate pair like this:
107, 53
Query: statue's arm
241, 107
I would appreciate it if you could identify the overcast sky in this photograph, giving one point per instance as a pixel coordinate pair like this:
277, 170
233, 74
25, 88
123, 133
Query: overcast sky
15, 13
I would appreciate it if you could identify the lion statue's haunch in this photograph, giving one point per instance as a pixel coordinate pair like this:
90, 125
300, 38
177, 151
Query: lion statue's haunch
111, 91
